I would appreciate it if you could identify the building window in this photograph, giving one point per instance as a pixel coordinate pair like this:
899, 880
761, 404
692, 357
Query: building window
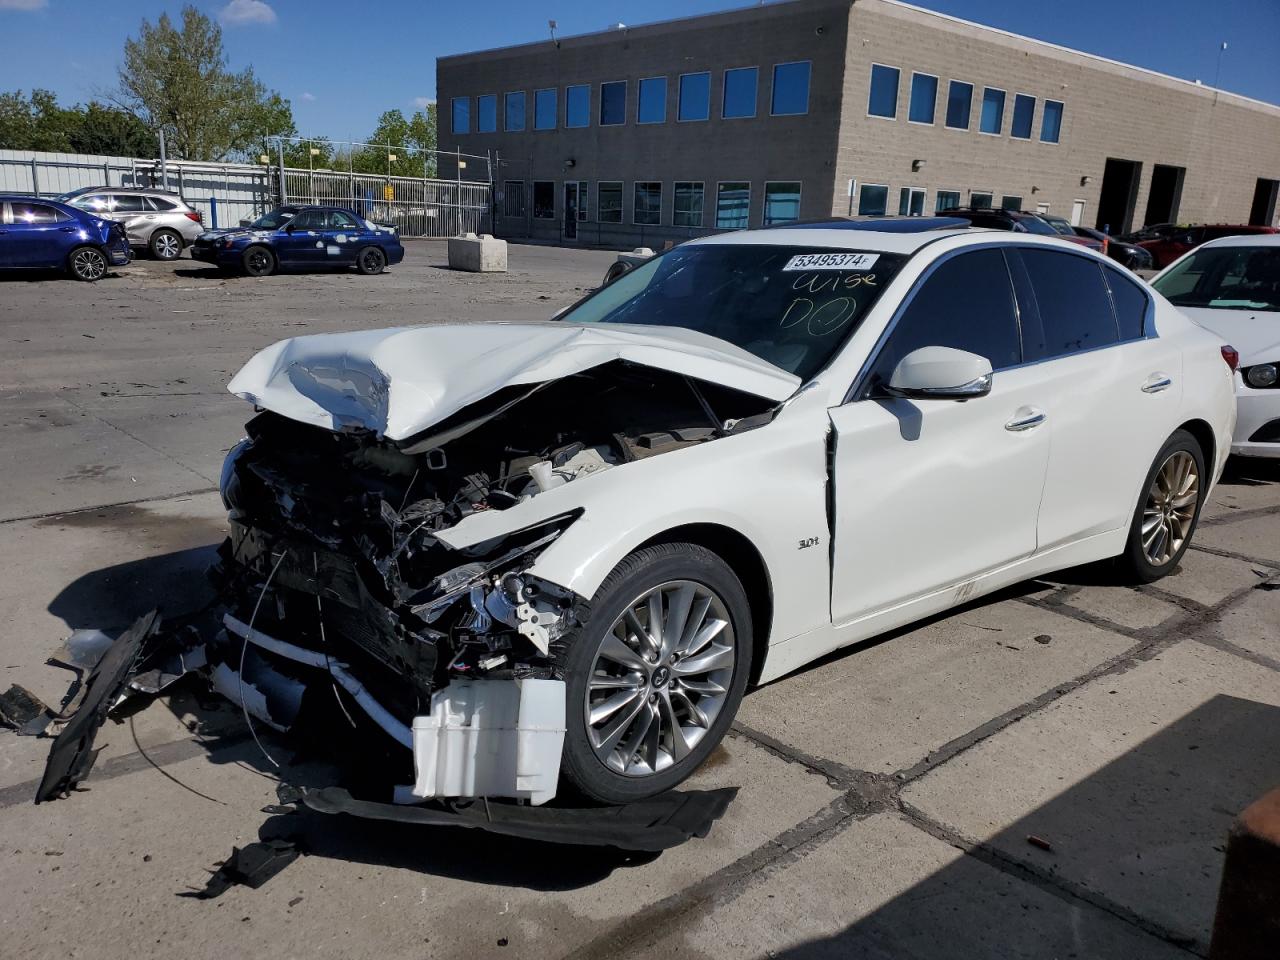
577, 106
1051, 121
544, 109
613, 103
487, 113
924, 98
461, 115
740, 93
513, 198
959, 104
790, 95
646, 209
1008, 202
873, 200
695, 97
609, 201
513, 112
882, 101
946, 200
911, 202
652, 107
992, 120
980, 201
1024, 111
733, 205
781, 202
584, 188
544, 200
688, 205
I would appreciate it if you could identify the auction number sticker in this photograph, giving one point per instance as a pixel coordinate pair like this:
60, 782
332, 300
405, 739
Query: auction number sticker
832, 261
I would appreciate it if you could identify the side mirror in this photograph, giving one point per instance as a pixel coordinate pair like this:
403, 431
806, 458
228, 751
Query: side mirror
941, 373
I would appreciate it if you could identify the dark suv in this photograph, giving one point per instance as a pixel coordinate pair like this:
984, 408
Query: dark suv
1014, 220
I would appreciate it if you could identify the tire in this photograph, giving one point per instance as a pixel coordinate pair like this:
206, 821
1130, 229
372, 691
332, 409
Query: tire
166, 244
1165, 520
87, 264
371, 260
616, 269
620, 758
258, 261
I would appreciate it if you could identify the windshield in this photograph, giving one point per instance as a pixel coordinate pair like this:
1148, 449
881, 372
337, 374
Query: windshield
1225, 278
273, 220
1036, 225
792, 306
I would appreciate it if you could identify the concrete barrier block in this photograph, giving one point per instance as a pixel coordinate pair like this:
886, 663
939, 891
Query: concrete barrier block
478, 254
1247, 924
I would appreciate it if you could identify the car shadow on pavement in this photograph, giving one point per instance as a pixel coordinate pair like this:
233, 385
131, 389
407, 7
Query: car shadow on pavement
1123, 863
202, 273
1251, 471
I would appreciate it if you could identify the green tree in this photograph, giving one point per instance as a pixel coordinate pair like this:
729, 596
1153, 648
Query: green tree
177, 80
37, 122
409, 139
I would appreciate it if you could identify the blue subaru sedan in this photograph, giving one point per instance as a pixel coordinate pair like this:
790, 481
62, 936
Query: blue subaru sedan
312, 238
46, 234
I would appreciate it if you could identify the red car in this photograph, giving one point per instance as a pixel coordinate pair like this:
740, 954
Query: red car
1167, 249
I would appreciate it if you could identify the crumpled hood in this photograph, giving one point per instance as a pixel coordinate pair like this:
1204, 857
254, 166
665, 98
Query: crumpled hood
1254, 333
401, 381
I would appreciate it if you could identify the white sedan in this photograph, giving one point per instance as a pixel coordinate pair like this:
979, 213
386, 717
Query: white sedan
560, 551
1232, 287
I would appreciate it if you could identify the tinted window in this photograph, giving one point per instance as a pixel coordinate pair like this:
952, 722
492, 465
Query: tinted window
992, 111
461, 115
873, 200
883, 98
1008, 202
688, 205
695, 96
1075, 310
653, 100
513, 111
647, 208
982, 201
740, 92
733, 204
781, 203
544, 200
128, 203
544, 109
1024, 110
613, 103
947, 200
790, 89
1051, 122
162, 204
609, 201
577, 106
924, 94
1130, 301
487, 113
33, 213
309, 220
959, 104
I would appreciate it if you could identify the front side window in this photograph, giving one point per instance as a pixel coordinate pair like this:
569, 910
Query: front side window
94, 203
740, 93
609, 201
513, 112
992, 120
487, 113
544, 200
128, 203
882, 101
577, 105
873, 200
461, 108
781, 202
695, 97
309, 220
1024, 111
790, 89
33, 212
733, 205
647, 203
613, 103
750, 295
946, 200
513, 198
545, 109
924, 97
652, 107
1074, 305
1051, 121
959, 104
1226, 278
688, 205
966, 303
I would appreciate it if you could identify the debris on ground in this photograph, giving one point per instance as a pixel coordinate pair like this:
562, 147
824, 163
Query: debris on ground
1040, 842
250, 866
24, 712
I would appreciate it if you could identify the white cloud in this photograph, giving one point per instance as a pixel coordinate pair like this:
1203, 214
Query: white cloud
423, 102
308, 96
245, 12
23, 4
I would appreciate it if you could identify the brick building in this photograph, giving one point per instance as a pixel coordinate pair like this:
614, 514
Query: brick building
643, 134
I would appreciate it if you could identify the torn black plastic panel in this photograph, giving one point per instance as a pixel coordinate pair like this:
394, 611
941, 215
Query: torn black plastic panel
251, 866
656, 824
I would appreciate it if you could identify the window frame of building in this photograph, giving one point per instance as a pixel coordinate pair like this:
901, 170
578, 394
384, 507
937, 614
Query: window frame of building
662, 102
746, 217
1013, 119
755, 93
506, 111
605, 214
600, 114
680, 117
1005, 205
493, 119
968, 108
453, 115
515, 188
635, 203
765, 221
862, 189
569, 88
1044, 115
773, 91
933, 102
584, 189
701, 193
555, 108
534, 199
871, 90
1004, 99
989, 194
906, 195
937, 199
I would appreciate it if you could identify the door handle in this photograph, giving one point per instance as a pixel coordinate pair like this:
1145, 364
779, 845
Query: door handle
1026, 418
1157, 382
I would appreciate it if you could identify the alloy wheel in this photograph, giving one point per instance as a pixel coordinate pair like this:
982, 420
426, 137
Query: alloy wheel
89, 264
660, 678
168, 247
372, 260
1171, 508
258, 261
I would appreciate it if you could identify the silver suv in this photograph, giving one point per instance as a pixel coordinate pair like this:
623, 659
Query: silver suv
157, 220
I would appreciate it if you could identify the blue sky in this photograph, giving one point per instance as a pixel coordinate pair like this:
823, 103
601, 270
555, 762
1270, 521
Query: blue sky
341, 62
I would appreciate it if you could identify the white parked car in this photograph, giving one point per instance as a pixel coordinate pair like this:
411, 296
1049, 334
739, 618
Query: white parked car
1232, 287
534, 551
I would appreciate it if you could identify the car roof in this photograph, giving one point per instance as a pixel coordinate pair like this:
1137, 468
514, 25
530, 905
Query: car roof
1245, 240
899, 224
840, 238
29, 198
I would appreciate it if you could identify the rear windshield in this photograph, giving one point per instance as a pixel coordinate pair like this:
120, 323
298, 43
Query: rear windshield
1225, 278
791, 306
1036, 225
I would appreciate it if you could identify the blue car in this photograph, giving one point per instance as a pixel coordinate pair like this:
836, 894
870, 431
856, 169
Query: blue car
36, 233
313, 238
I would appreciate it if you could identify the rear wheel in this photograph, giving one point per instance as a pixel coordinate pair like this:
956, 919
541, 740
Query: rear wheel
371, 260
259, 262
1168, 511
656, 674
166, 245
87, 264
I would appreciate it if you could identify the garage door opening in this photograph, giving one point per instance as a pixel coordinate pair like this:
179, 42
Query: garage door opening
1119, 195
1165, 195
1263, 211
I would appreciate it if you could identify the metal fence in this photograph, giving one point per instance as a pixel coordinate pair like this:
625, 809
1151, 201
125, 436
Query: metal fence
419, 207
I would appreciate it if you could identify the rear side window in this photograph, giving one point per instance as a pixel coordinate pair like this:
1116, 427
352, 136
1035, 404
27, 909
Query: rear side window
1130, 301
33, 213
1073, 301
966, 303
161, 204
128, 203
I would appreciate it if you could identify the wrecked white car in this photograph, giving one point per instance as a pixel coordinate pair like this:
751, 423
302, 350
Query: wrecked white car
537, 554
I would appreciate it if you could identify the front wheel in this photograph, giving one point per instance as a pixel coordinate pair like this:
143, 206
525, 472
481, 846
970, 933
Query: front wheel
87, 264
1167, 514
656, 674
371, 260
259, 262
